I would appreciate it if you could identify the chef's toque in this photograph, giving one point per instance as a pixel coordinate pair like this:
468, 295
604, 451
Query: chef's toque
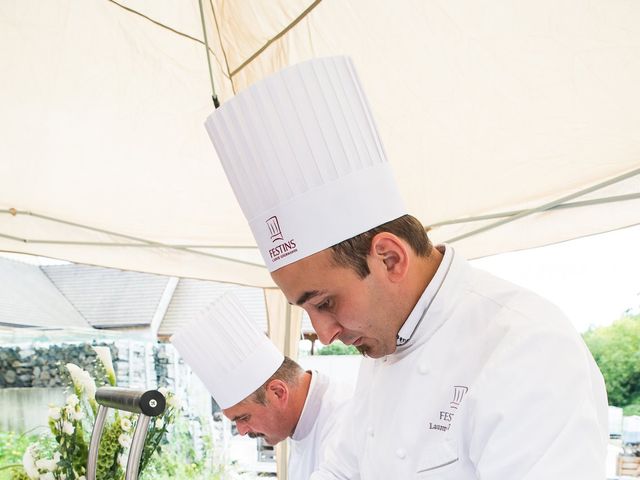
302, 154
227, 351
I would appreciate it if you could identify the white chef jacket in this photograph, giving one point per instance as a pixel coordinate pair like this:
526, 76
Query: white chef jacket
319, 418
494, 384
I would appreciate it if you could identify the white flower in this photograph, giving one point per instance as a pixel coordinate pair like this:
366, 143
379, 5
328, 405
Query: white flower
54, 413
82, 478
47, 476
47, 464
104, 354
122, 460
82, 380
159, 422
163, 391
56, 457
29, 462
68, 428
174, 401
125, 424
124, 440
73, 400
77, 415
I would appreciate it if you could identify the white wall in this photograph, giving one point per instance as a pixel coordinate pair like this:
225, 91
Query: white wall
22, 409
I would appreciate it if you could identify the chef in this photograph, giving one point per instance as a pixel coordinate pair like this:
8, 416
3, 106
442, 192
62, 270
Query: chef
466, 376
265, 393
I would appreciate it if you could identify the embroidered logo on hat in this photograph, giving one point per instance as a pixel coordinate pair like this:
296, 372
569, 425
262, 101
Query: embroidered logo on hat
284, 249
274, 229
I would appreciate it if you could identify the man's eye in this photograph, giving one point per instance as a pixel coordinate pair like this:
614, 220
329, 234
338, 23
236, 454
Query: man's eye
324, 304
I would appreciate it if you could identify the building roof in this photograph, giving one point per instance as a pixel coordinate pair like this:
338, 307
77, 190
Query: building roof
73, 295
28, 299
108, 297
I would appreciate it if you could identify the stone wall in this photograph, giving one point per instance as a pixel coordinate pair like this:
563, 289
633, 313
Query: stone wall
44, 365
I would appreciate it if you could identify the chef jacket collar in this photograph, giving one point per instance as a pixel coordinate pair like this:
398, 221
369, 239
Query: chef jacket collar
412, 322
317, 388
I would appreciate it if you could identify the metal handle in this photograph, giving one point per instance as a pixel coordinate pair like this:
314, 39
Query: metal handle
137, 446
92, 460
146, 403
149, 402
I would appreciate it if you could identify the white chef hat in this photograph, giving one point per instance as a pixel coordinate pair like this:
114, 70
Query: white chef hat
227, 351
302, 153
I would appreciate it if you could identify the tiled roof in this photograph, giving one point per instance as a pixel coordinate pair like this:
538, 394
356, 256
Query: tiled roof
27, 298
107, 297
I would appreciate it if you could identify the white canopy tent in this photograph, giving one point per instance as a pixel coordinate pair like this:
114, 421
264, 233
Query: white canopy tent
487, 110
520, 116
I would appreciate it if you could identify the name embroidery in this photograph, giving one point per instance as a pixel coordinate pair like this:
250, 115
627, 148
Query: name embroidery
446, 416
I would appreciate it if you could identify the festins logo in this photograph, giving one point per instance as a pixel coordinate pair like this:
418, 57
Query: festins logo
283, 249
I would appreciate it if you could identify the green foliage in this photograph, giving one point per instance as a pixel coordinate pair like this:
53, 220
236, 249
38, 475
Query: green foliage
12, 447
338, 348
633, 409
177, 458
616, 350
71, 426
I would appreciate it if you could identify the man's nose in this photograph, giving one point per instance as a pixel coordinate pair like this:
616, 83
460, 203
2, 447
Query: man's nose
242, 429
327, 328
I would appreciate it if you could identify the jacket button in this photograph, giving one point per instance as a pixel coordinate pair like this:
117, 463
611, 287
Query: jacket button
401, 453
423, 368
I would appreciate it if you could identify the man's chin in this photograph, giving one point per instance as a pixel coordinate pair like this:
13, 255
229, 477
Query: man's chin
367, 351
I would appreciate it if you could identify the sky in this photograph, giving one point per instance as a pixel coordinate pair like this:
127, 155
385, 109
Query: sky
594, 279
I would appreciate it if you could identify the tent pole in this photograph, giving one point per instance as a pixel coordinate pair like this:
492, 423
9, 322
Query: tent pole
546, 206
584, 203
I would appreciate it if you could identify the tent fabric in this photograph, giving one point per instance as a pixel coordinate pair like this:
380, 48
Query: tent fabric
483, 108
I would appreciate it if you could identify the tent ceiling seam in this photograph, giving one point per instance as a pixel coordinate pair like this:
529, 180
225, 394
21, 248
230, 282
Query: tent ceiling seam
583, 203
224, 51
162, 25
15, 212
297, 20
547, 206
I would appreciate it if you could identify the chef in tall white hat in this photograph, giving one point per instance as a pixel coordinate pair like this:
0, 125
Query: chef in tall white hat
467, 376
265, 393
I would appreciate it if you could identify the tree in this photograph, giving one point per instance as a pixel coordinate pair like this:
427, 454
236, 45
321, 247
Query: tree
338, 348
616, 350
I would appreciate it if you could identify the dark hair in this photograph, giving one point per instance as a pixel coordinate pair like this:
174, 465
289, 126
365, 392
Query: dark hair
353, 252
289, 372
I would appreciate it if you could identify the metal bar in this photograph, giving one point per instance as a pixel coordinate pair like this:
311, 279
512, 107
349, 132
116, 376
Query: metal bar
92, 460
582, 203
137, 447
546, 206
216, 102
148, 402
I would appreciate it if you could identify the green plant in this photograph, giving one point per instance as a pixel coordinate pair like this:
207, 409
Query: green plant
616, 350
338, 348
71, 425
12, 447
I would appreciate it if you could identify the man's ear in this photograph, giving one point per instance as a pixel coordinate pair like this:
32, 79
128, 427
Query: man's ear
278, 392
393, 253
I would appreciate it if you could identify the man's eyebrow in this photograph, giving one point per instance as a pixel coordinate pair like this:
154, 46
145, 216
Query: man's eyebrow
306, 296
237, 417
